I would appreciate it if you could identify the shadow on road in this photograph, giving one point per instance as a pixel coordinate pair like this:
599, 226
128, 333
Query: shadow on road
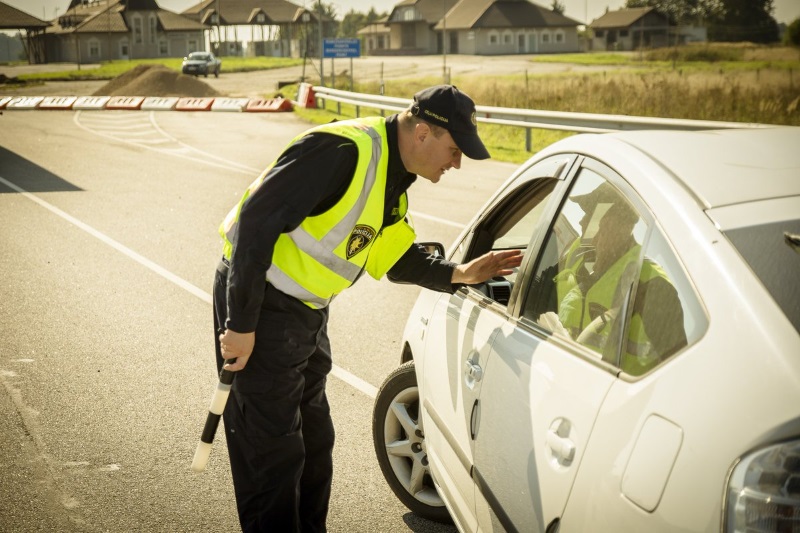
30, 176
422, 525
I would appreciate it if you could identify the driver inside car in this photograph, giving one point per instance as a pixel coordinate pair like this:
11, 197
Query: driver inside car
594, 284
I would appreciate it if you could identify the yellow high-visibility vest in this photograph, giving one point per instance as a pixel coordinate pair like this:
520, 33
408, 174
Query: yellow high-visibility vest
576, 311
328, 252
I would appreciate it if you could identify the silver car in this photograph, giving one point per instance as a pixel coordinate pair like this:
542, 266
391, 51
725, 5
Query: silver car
641, 369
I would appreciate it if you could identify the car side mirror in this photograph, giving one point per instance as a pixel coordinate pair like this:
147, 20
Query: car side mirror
435, 249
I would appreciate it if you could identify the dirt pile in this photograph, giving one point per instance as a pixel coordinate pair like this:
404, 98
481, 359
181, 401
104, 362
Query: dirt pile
155, 80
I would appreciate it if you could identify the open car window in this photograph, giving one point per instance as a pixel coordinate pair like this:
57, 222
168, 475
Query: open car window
510, 226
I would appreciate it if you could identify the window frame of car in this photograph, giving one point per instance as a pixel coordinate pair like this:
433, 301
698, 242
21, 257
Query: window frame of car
555, 167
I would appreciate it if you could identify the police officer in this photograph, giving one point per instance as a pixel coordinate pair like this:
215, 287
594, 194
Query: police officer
331, 207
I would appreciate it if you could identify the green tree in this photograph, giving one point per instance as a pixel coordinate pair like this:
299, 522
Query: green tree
328, 12
683, 11
745, 20
792, 35
354, 21
351, 23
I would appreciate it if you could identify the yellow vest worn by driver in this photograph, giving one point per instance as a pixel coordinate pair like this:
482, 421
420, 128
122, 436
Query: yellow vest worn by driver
586, 315
328, 252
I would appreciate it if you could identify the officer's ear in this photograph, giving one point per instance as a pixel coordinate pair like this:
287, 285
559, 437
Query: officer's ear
421, 131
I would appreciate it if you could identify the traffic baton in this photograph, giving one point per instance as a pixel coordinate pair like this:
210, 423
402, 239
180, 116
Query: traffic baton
215, 410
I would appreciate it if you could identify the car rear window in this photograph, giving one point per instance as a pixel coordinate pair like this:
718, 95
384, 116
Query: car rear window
769, 251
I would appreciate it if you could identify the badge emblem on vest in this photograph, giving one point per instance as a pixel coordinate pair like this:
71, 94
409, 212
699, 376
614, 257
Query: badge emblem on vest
359, 239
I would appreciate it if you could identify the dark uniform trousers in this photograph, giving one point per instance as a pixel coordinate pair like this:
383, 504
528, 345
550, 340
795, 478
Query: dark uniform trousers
277, 420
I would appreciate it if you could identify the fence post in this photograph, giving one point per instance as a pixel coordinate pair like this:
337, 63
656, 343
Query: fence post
528, 139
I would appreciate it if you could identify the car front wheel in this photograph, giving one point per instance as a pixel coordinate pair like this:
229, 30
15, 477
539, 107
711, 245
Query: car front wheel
400, 445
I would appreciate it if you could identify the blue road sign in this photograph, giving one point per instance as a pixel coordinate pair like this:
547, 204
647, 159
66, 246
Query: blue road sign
341, 48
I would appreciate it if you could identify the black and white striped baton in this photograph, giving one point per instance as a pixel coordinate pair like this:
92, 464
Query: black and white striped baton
215, 410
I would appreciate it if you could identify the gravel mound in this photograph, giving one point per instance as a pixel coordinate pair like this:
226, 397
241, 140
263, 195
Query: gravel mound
155, 80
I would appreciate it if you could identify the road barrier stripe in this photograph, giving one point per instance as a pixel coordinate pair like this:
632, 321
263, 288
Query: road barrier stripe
125, 102
91, 102
229, 104
194, 104
58, 102
156, 103
268, 105
25, 102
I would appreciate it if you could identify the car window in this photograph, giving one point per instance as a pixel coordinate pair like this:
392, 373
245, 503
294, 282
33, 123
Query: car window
609, 281
588, 267
670, 313
510, 225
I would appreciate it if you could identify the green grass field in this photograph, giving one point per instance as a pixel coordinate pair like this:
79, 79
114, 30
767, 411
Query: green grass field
722, 82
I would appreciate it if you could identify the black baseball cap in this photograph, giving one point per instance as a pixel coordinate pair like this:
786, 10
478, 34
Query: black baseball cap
446, 106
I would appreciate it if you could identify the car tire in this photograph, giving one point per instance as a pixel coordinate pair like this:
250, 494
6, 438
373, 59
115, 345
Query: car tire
205, 74
400, 445
216, 73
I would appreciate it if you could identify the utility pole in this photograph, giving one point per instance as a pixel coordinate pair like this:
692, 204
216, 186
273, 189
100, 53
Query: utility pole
321, 46
219, 35
444, 41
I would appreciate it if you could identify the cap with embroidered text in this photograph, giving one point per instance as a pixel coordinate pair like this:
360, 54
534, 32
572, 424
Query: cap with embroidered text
446, 106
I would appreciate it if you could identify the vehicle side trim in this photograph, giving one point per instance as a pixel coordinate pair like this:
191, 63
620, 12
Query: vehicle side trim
491, 499
448, 436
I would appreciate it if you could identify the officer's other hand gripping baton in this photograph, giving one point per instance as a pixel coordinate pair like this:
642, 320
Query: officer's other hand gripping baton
218, 401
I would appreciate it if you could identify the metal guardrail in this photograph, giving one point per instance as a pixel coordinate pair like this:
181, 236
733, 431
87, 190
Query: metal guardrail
535, 119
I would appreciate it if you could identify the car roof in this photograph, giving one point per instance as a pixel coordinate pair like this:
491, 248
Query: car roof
727, 167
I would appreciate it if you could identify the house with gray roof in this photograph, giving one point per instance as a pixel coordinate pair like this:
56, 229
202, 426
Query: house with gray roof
480, 27
630, 29
90, 31
12, 18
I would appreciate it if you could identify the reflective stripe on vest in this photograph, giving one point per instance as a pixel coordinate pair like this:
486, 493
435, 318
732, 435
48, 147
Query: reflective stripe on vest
305, 263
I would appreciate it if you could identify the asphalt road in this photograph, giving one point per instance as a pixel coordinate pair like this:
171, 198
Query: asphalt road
108, 248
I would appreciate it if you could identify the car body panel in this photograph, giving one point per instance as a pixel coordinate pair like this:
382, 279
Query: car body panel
546, 405
653, 452
461, 333
725, 179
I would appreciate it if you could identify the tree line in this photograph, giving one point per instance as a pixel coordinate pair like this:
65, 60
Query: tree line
726, 20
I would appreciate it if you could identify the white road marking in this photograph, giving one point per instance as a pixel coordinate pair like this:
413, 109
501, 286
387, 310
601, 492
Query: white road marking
140, 129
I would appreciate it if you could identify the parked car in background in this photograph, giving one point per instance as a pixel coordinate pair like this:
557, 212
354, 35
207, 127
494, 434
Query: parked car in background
640, 371
205, 63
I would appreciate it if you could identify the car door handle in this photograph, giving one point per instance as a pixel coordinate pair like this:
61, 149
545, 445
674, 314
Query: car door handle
562, 447
473, 371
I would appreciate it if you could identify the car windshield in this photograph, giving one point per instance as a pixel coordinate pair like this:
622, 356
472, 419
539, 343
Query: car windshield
773, 252
198, 55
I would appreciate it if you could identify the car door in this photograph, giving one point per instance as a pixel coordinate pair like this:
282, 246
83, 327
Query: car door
461, 329
543, 388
